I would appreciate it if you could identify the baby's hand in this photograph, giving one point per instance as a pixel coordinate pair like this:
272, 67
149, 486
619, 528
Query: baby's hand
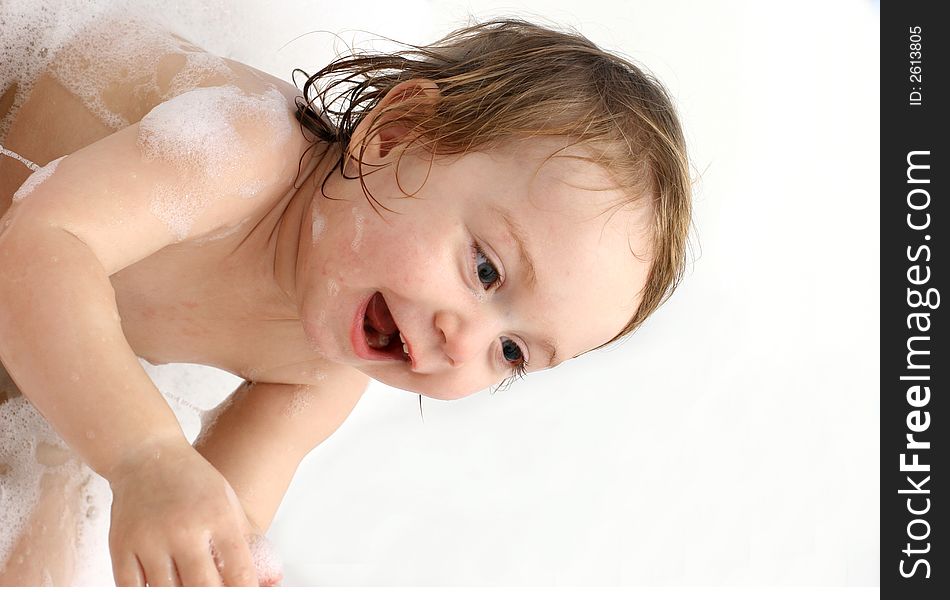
176, 521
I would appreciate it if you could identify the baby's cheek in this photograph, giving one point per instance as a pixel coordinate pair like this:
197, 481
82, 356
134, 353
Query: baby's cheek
270, 571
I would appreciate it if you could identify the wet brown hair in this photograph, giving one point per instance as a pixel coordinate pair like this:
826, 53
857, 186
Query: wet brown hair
509, 79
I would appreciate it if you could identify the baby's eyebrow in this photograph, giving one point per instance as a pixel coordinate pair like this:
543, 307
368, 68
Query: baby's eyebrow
517, 233
551, 350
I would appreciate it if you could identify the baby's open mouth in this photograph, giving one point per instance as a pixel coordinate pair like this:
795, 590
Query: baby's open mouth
381, 332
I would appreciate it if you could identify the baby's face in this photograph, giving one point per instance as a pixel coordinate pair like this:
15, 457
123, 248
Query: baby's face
472, 300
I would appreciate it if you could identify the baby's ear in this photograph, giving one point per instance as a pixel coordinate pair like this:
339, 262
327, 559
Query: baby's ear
387, 124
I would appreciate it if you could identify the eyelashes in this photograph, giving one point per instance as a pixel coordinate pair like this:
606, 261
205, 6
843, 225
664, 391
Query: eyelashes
485, 269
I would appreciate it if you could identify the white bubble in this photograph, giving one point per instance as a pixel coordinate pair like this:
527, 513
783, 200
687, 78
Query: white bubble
35, 180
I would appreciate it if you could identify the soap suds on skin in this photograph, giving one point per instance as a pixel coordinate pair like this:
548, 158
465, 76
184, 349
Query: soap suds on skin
300, 401
319, 224
122, 43
199, 67
29, 449
178, 209
251, 188
32, 32
270, 569
35, 180
21, 430
196, 133
358, 224
196, 129
29, 164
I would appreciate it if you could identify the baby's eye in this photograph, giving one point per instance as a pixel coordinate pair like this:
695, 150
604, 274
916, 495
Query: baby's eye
487, 273
511, 350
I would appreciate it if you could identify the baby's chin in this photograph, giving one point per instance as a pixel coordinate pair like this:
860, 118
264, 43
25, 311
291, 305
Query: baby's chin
426, 392
435, 387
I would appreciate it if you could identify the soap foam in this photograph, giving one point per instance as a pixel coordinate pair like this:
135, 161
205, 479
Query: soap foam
32, 31
114, 51
177, 207
199, 68
21, 429
302, 397
270, 569
29, 164
196, 133
29, 449
251, 188
109, 42
358, 225
194, 129
35, 180
319, 224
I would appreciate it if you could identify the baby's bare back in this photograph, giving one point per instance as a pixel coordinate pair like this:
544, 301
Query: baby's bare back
106, 77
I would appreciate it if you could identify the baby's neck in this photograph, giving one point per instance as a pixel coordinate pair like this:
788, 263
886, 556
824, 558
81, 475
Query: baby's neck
293, 230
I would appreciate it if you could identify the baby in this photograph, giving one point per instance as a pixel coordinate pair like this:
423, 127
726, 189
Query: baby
440, 220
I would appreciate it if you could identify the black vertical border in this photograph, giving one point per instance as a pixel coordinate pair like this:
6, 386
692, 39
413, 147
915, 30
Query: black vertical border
906, 128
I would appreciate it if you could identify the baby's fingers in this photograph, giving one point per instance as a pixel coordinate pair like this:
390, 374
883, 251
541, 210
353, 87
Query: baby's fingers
159, 570
197, 569
233, 558
127, 571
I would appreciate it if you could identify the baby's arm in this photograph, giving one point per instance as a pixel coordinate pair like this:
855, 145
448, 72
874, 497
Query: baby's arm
259, 435
62, 342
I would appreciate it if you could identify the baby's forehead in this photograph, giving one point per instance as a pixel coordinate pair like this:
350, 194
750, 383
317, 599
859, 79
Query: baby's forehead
556, 167
591, 252
583, 191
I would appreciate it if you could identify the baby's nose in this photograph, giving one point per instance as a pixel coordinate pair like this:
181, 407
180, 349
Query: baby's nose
463, 336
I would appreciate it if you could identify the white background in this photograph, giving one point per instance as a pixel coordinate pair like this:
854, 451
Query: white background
734, 438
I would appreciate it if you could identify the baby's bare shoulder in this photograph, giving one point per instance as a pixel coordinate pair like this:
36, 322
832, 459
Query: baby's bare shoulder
203, 160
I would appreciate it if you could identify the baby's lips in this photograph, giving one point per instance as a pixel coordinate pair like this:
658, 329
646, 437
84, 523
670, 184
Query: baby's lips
270, 570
